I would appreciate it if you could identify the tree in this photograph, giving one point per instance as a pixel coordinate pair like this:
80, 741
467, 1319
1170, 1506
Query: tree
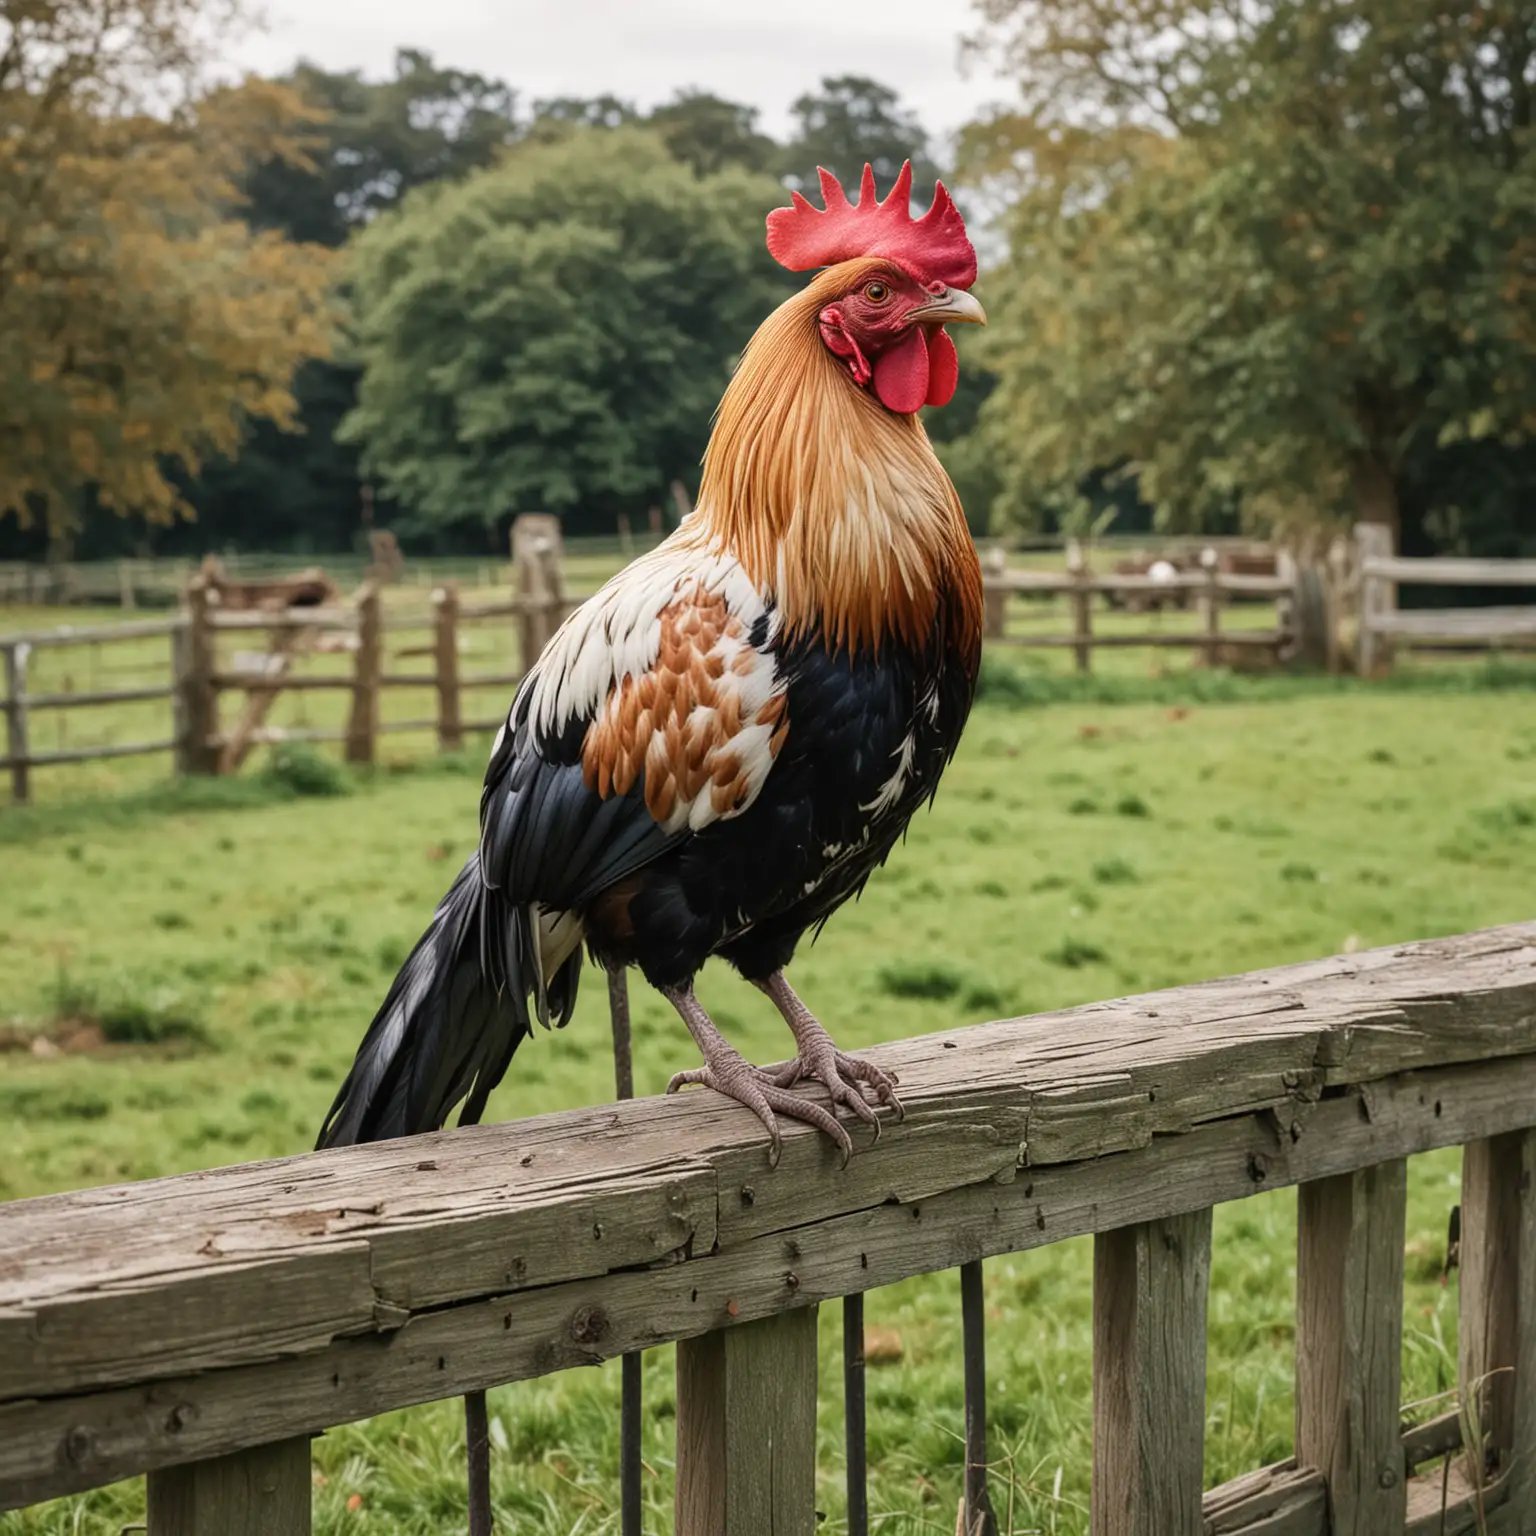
375, 140
143, 324
852, 120
1269, 254
710, 133
557, 115
372, 142
553, 333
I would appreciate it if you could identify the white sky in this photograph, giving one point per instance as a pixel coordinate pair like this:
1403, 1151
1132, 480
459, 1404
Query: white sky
765, 52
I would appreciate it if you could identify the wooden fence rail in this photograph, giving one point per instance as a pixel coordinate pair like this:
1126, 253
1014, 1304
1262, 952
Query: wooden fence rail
198, 680
1211, 588
202, 1328
1382, 622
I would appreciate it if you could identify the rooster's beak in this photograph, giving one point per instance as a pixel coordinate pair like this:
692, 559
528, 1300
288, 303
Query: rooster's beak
952, 308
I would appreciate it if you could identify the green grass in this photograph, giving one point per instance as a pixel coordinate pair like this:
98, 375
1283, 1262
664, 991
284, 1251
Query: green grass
242, 933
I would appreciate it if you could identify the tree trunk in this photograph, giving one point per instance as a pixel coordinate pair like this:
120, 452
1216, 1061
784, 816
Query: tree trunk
1376, 495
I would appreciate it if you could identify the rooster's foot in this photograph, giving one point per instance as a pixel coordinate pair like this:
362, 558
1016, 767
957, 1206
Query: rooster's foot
728, 1072
848, 1079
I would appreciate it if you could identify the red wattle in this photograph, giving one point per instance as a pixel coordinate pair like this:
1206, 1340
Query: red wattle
943, 368
901, 373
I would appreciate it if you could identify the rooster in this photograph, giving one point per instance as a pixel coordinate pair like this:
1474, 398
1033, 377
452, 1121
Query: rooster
715, 752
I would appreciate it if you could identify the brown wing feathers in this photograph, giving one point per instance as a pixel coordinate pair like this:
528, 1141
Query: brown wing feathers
702, 725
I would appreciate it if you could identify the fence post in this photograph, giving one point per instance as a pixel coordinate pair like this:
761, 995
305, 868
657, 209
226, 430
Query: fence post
1082, 607
994, 597
1210, 605
16, 656
536, 551
199, 699
363, 723
1498, 1314
265, 1491
1308, 616
450, 719
1349, 1326
1373, 541
1150, 1283
746, 1428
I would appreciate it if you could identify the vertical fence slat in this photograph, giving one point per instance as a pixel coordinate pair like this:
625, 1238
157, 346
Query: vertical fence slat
16, 720
363, 723
1377, 596
1150, 1283
854, 1414
979, 1519
1210, 606
994, 598
1349, 1326
1082, 607
194, 682
1498, 1308
179, 699
450, 717
265, 1491
746, 1429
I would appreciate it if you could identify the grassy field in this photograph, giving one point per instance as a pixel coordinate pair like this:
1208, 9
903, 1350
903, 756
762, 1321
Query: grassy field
184, 973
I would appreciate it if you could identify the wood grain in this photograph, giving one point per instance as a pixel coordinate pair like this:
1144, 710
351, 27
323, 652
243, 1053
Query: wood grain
1498, 1313
1349, 1325
450, 716
1150, 1283
15, 704
146, 1325
746, 1429
264, 1491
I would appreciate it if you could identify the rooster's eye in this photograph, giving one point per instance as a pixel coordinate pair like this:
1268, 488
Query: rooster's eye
877, 293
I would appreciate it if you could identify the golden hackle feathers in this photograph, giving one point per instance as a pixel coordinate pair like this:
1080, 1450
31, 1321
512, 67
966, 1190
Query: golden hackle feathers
836, 507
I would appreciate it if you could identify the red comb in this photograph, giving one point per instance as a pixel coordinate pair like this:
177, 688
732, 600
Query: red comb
934, 247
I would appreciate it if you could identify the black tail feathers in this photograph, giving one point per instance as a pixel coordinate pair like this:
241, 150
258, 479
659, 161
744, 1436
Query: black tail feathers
449, 1025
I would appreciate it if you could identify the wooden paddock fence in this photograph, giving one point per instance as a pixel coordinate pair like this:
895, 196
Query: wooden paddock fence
201, 736
1212, 589
205, 738
1384, 626
203, 1328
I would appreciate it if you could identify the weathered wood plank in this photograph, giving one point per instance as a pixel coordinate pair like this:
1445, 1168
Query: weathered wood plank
1450, 571
265, 1491
1349, 1325
15, 701
312, 1292
445, 640
1498, 1312
1284, 1500
81, 1440
1444, 1503
1150, 1283
746, 1429
1433, 1439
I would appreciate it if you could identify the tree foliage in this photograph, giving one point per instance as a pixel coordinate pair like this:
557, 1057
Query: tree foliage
1268, 256
375, 140
710, 133
852, 120
554, 332
144, 325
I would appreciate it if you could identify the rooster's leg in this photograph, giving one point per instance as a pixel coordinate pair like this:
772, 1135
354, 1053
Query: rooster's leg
727, 1071
846, 1078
